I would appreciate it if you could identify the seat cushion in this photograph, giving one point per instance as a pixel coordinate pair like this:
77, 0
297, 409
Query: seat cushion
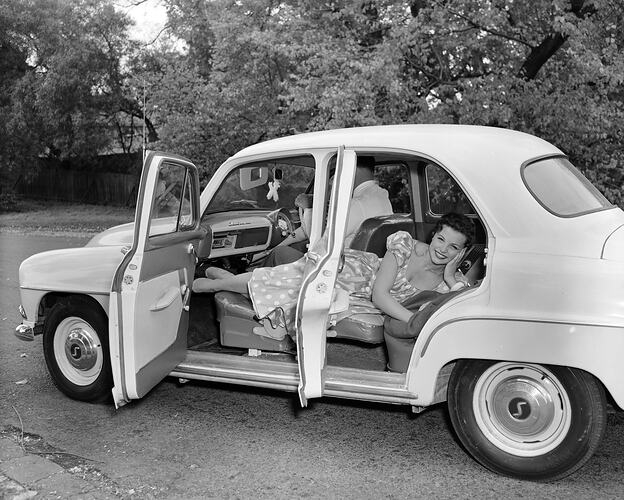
237, 320
363, 327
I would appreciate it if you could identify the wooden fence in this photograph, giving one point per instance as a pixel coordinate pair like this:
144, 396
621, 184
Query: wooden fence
100, 188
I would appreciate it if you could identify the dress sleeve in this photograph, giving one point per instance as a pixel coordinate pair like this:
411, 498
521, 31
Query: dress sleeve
401, 245
459, 276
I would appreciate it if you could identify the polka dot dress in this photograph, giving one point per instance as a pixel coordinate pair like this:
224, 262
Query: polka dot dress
274, 290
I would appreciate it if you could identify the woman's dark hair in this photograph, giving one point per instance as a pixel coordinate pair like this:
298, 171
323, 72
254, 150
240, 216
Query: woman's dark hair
459, 223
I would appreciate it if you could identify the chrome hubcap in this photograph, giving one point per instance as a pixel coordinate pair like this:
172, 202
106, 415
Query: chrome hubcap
81, 349
78, 351
521, 409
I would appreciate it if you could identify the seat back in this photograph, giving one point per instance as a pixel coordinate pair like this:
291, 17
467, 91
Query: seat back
373, 233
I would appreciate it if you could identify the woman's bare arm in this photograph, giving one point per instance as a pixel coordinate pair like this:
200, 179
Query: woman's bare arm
381, 289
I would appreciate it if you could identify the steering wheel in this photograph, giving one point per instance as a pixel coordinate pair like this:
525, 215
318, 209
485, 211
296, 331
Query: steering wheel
283, 223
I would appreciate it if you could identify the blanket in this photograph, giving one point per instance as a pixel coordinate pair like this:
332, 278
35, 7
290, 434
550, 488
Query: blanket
424, 304
400, 336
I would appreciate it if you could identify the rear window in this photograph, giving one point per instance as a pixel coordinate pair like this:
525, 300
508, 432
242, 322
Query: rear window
561, 189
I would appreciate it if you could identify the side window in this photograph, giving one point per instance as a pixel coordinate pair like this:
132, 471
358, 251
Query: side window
394, 178
171, 207
444, 194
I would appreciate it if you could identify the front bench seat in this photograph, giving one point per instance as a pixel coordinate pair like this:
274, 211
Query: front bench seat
237, 320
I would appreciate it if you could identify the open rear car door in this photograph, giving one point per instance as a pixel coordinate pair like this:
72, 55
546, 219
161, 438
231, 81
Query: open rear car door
150, 293
322, 267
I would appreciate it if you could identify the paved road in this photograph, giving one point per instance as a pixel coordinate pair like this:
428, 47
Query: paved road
214, 441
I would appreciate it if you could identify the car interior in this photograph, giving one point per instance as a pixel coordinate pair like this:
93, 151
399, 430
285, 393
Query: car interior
237, 230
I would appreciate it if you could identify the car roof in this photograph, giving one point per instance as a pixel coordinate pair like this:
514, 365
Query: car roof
436, 140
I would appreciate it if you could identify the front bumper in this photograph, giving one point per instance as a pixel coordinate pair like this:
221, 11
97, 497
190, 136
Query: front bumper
25, 332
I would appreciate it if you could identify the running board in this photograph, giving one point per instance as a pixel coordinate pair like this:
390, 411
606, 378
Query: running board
348, 383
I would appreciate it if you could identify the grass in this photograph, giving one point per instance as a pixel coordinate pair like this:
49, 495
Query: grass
30, 216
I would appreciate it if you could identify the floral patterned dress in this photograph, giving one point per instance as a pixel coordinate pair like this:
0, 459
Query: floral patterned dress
274, 290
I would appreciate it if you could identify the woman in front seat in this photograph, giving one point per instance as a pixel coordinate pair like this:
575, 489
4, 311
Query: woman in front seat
408, 267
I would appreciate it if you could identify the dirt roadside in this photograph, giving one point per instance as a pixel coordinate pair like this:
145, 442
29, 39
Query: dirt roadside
51, 218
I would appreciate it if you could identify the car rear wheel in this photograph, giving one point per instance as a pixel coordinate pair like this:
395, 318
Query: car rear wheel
524, 420
75, 347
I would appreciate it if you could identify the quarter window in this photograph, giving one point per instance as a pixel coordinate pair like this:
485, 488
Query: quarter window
561, 189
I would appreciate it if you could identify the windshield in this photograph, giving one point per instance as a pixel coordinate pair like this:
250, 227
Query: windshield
561, 189
264, 185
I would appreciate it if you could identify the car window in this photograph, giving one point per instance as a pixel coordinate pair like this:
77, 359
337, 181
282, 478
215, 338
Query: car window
444, 194
171, 207
266, 185
392, 175
394, 178
561, 189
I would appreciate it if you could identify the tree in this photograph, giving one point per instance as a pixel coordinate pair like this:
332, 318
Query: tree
64, 92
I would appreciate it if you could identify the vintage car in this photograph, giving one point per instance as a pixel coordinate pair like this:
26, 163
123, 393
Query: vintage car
526, 358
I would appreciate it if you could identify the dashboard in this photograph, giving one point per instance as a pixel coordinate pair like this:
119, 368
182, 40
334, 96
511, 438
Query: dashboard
243, 232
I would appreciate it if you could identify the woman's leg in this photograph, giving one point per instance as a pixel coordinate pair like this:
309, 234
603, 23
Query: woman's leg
217, 273
235, 283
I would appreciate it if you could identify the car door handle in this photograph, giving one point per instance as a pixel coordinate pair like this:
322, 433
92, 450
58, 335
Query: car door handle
341, 262
191, 251
313, 257
166, 299
186, 297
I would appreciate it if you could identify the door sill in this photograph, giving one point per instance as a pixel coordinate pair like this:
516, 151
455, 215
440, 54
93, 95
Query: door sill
283, 374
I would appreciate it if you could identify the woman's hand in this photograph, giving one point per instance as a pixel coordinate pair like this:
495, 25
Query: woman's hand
451, 268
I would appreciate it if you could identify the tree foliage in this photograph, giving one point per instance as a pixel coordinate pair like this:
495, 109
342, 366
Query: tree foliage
268, 68
63, 91
234, 72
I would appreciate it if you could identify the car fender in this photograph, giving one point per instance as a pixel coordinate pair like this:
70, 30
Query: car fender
82, 270
597, 349
76, 271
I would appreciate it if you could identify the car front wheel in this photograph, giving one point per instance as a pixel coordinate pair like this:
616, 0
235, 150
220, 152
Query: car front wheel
75, 346
524, 420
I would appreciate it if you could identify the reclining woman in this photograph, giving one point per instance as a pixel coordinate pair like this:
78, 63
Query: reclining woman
408, 267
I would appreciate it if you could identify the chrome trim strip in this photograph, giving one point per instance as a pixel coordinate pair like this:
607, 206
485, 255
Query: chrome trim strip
52, 290
513, 320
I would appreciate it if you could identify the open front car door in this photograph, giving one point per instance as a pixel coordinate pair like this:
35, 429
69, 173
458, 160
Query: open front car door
150, 293
322, 267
